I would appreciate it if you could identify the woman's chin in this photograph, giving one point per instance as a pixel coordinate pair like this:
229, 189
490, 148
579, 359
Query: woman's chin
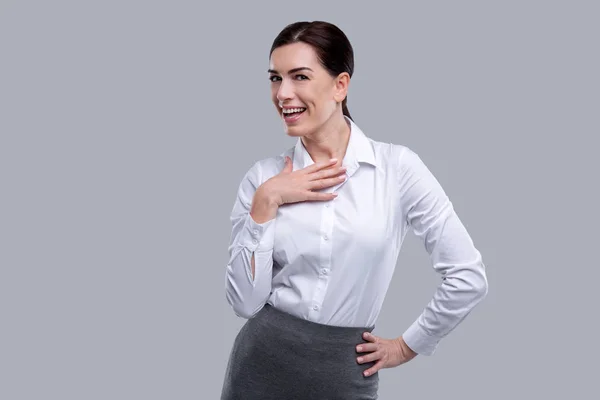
293, 131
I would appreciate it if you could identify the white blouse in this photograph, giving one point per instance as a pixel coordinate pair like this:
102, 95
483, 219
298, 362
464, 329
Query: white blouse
331, 262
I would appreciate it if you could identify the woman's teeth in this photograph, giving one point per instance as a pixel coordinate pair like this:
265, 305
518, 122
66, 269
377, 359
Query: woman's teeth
293, 110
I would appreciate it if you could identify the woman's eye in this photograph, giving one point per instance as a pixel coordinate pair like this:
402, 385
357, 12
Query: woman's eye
275, 78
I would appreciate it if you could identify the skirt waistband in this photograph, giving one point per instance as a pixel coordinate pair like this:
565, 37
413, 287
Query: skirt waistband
289, 324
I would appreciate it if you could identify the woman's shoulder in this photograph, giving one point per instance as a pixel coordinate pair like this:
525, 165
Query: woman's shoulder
267, 167
396, 155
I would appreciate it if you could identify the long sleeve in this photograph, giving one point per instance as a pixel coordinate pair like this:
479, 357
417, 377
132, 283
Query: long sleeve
430, 214
246, 295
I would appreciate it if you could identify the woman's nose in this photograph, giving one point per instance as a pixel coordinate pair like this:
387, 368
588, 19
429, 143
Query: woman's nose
285, 91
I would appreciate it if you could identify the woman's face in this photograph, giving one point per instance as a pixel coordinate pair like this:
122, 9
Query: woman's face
303, 92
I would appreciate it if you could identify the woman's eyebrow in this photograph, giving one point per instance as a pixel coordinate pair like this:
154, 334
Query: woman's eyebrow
291, 71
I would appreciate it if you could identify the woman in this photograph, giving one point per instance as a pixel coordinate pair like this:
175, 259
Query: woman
316, 235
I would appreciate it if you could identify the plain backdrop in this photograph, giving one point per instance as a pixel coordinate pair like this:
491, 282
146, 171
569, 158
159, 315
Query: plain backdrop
126, 127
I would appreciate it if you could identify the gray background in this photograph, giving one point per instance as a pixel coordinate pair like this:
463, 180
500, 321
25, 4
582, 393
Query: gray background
126, 127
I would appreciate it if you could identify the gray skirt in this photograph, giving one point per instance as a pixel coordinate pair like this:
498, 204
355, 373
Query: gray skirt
277, 356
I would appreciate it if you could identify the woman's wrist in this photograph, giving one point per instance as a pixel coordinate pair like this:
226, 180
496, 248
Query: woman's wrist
264, 206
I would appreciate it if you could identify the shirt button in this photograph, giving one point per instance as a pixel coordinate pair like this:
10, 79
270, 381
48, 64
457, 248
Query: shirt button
256, 232
254, 241
326, 205
324, 271
315, 308
325, 237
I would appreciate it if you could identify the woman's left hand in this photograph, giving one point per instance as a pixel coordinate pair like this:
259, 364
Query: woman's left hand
387, 353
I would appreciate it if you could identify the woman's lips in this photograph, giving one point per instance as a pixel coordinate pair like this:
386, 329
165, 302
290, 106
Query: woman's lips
293, 117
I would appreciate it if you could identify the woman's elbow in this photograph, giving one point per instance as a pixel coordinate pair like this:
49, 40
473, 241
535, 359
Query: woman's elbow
242, 307
245, 310
480, 285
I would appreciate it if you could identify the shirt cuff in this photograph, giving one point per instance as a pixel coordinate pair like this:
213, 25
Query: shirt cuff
259, 236
419, 341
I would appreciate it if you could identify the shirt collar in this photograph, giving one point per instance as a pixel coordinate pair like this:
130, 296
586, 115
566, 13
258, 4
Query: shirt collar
359, 150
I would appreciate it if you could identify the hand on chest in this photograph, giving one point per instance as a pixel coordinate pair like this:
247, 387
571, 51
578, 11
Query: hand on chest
361, 219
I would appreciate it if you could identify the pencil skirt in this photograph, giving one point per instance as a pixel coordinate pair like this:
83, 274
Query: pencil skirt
277, 356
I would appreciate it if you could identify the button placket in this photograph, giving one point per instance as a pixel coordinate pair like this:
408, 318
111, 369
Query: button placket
327, 216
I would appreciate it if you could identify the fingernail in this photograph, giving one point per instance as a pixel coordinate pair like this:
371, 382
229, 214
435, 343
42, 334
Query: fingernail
366, 373
359, 348
333, 160
360, 359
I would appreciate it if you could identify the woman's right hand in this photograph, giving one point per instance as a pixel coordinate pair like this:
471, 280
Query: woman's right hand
295, 186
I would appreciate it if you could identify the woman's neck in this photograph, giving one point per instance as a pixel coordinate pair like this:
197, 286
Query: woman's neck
331, 141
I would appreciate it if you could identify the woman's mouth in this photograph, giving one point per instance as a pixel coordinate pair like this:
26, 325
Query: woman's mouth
292, 114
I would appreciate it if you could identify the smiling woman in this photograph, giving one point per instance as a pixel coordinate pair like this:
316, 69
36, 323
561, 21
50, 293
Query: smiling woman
310, 66
316, 232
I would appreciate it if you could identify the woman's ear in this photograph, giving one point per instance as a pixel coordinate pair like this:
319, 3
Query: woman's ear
342, 82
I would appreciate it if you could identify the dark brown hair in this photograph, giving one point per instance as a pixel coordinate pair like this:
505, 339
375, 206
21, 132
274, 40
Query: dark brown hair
333, 48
